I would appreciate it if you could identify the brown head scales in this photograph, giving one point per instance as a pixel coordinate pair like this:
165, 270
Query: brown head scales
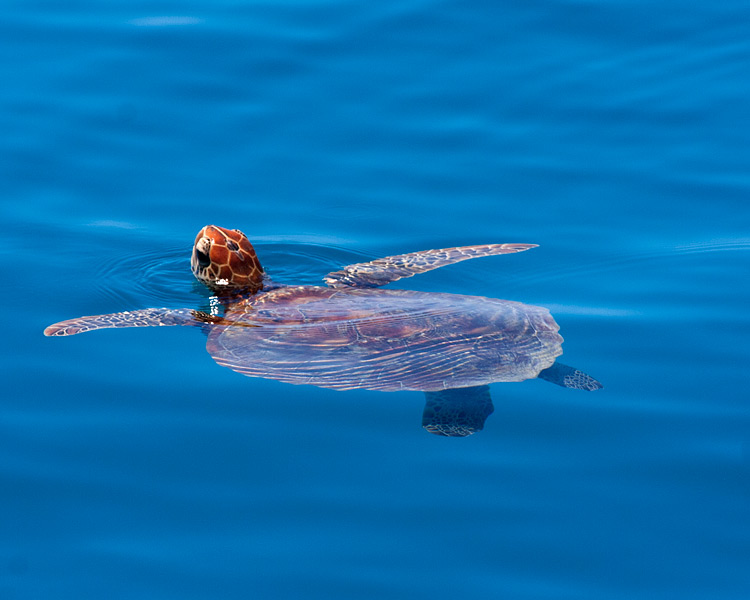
225, 261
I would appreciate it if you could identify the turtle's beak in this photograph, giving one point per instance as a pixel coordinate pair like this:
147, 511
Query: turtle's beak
201, 252
201, 258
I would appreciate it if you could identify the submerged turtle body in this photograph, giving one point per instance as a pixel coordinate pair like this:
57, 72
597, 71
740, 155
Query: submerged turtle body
385, 340
352, 335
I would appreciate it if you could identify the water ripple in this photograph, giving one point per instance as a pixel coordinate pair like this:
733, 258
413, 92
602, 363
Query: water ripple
161, 276
164, 21
304, 263
140, 277
626, 259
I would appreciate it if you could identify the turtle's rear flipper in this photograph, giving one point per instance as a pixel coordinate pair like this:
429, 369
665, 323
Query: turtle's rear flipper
392, 268
458, 412
568, 377
147, 317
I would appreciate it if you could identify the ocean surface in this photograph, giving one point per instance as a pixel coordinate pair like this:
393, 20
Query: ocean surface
614, 134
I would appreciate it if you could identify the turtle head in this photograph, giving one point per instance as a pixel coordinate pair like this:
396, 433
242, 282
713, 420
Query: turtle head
225, 261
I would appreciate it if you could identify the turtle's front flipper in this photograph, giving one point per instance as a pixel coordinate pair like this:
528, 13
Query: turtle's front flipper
568, 377
148, 317
458, 412
391, 268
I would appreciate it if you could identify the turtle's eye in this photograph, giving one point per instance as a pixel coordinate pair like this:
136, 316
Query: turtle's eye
203, 258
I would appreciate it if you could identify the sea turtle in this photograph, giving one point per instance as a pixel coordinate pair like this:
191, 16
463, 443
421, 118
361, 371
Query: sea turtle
352, 335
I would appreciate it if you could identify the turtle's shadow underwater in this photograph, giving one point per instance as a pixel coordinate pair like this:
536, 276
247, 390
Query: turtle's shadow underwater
352, 335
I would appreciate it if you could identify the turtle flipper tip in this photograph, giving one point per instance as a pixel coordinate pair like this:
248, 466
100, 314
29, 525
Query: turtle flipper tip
582, 381
65, 328
570, 377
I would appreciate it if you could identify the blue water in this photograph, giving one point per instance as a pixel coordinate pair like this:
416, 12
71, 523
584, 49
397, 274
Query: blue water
616, 135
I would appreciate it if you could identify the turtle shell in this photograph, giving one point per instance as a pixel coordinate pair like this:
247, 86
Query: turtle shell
386, 340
